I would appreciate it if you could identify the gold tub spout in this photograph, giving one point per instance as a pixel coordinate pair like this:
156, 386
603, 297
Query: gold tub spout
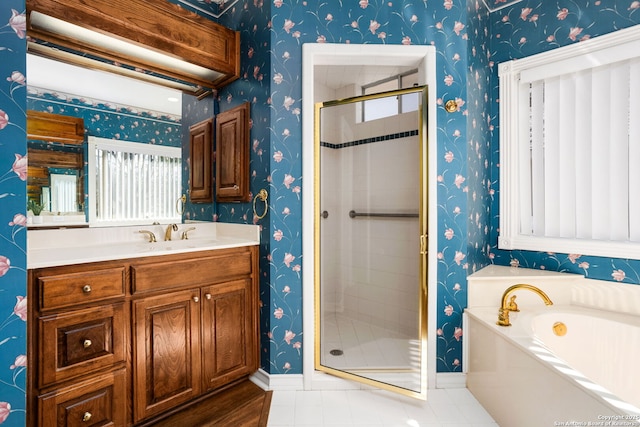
509, 304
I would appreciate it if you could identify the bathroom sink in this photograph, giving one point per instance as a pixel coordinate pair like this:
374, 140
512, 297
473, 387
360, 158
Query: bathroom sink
176, 245
57, 247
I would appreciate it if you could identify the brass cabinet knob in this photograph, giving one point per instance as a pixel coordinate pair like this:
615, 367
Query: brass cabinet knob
196, 299
207, 296
87, 343
86, 416
86, 289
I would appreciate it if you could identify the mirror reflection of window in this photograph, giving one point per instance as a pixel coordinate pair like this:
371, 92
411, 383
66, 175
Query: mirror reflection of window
134, 183
64, 193
390, 106
45, 199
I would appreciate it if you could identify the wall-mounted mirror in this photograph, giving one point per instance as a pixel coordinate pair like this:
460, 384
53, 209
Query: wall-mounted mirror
107, 106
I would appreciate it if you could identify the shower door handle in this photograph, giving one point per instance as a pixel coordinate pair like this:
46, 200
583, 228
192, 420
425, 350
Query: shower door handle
423, 244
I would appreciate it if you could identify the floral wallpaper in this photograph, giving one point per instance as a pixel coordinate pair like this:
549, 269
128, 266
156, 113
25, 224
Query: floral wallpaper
108, 120
534, 26
469, 42
272, 81
13, 231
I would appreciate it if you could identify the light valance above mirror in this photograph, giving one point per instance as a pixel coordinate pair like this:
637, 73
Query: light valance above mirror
171, 45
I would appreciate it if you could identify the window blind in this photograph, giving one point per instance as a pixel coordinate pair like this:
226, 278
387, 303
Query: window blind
570, 148
581, 154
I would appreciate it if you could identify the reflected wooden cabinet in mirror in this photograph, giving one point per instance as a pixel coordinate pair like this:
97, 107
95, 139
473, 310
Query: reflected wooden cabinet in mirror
54, 145
55, 127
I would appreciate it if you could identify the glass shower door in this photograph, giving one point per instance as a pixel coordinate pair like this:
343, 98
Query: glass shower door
371, 212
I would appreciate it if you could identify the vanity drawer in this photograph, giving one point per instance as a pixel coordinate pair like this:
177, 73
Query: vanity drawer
72, 289
98, 402
208, 269
80, 342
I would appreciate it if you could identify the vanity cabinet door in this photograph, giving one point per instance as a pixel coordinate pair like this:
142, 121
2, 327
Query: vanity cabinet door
228, 331
166, 351
201, 170
232, 155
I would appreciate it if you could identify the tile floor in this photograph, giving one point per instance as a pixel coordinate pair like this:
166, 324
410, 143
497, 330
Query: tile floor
443, 408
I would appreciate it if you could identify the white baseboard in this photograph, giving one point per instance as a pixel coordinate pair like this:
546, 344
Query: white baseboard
451, 380
277, 381
295, 381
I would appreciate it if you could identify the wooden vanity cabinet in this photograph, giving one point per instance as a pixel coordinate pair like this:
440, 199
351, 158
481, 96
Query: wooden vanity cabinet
122, 343
77, 329
195, 326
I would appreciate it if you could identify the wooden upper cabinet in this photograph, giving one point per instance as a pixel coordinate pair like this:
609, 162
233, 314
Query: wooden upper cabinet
200, 175
160, 26
232, 155
54, 127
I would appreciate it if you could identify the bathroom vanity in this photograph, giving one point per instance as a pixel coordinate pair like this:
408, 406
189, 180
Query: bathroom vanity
121, 333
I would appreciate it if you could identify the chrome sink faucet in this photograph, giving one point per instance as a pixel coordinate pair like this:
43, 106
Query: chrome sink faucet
167, 233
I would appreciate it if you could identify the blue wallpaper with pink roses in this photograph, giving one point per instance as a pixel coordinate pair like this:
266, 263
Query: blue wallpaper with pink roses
469, 42
272, 63
13, 231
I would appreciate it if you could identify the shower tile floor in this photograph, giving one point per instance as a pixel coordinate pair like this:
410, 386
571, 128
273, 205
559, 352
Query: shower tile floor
364, 345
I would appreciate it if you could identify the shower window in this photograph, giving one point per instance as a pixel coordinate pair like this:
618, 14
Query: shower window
570, 149
378, 108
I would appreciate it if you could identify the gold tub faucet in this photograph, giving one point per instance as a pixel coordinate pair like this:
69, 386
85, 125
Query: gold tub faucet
509, 304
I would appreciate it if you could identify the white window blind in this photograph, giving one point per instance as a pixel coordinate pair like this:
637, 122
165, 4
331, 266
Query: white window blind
133, 183
570, 149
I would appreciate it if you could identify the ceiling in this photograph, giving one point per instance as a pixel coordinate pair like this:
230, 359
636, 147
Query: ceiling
73, 80
338, 76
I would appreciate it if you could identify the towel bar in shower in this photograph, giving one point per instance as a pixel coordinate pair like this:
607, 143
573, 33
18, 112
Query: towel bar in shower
353, 214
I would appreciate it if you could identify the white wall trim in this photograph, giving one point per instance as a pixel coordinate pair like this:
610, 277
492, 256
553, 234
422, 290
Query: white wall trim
451, 380
422, 57
321, 381
282, 382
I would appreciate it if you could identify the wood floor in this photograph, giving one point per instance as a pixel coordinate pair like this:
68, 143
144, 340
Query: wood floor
242, 405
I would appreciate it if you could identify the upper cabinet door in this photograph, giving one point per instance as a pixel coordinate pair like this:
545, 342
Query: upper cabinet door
200, 179
232, 155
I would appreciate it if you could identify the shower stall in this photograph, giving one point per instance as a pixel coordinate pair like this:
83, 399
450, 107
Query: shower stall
371, 210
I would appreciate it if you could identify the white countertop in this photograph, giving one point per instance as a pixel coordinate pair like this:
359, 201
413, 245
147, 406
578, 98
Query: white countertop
49, 248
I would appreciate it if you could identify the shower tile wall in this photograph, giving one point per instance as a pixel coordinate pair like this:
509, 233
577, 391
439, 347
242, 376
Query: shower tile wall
370, 272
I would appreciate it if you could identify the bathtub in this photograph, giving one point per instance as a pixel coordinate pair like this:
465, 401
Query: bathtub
526, 375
